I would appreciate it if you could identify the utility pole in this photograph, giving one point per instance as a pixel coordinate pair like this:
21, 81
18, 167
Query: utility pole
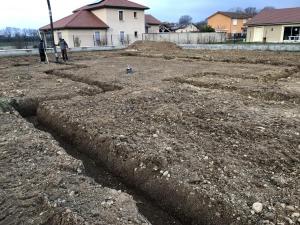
52, 32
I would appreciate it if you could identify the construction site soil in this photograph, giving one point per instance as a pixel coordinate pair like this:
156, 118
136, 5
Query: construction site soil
189, 137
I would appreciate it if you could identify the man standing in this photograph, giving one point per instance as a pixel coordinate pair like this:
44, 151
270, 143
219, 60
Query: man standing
63, 46
42, 51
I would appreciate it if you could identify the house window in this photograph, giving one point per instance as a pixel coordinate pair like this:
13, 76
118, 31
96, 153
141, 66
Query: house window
234, 22
291, 33
135, 15
244, 21
59, 35
97, 38
121, 15
136, 34
122, 37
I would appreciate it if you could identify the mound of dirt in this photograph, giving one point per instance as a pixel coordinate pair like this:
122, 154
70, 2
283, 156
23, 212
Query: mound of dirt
153, 46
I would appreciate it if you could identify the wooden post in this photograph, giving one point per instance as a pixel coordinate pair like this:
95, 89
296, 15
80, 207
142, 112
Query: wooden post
52, 30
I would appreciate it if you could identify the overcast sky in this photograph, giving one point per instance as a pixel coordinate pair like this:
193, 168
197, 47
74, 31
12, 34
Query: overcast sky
34, 14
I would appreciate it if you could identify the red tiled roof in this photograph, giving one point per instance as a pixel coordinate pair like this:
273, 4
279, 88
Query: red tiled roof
113, 4
79, 20
151, 20
233, 15
276, 16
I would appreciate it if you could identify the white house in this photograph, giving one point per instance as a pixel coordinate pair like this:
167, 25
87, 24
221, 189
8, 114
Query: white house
275, 25
107, 22
187, 28
152, 24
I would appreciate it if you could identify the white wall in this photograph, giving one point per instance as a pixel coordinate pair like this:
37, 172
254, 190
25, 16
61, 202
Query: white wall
85, 37
187, 38
153, 29
189, 28
273, 34
129, 25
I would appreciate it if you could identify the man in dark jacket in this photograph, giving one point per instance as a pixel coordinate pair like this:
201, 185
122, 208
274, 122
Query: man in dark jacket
63, 46
42, 51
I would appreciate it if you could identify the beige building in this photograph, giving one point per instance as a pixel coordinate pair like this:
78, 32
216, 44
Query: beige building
275, 25
108, 22
152, 24
187, 28
229, 22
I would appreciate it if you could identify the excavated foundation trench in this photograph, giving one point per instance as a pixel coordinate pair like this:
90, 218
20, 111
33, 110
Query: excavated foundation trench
180, 200
175, 198
162, 202
147, 207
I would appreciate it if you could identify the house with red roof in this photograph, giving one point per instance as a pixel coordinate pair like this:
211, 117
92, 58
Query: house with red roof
275, 25
107, 22
152, 24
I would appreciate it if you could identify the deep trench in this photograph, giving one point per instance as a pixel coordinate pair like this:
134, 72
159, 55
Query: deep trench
146, 206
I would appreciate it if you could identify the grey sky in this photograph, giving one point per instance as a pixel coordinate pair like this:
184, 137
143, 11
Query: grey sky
34, 14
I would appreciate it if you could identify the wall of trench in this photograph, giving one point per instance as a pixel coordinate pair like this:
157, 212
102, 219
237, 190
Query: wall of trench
182, 201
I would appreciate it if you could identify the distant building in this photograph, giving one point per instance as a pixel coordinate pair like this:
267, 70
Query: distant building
275, 25
167, 27
107, 22
229, 22
186, 28
152, 24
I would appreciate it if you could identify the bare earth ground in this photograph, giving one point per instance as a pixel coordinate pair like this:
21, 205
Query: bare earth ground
205, 133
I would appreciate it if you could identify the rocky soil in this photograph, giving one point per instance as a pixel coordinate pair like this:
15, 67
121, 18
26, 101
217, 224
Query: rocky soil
212, 136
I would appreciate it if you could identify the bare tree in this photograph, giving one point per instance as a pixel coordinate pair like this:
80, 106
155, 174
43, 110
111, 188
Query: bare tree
184, 20
251, 11
236, 9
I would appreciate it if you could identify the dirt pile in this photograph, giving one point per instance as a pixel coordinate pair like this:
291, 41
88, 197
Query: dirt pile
146, 46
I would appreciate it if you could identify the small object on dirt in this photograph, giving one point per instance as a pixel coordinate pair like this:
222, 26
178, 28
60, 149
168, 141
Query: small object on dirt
129, 69
155, 135
166, 173
290, 208
59, 80
122, 137
257, 207
59, 153
295, 215
155, 168
169, 148
68, 211
283, 205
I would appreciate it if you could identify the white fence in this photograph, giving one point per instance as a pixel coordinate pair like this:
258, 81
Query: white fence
187, 38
